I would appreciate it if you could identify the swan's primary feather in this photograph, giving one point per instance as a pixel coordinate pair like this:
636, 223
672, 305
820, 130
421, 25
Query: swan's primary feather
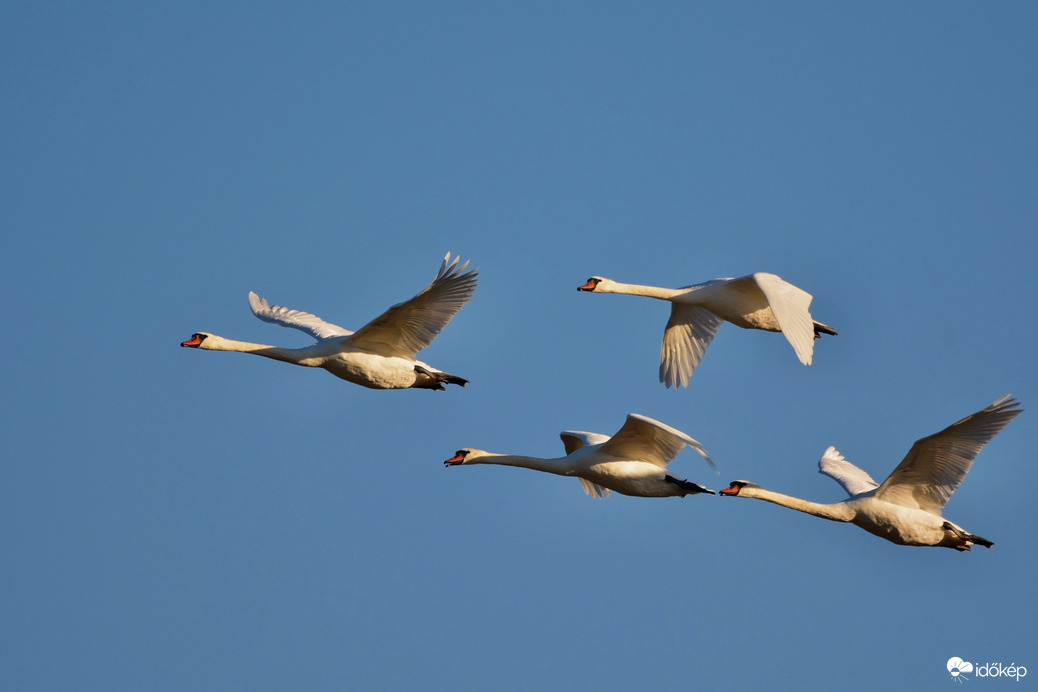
649, 440
406, 328
935, 465
593, 489
854, 480
296, 319
790, 306
689, 331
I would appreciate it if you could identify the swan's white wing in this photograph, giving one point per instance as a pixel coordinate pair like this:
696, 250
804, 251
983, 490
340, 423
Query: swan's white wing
936, 465
406, 328
642, 438
790, 307
854, 480
296, 319
593, 489
689, 331
574, 439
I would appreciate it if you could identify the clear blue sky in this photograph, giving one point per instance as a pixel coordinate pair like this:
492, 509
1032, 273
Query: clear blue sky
174, 519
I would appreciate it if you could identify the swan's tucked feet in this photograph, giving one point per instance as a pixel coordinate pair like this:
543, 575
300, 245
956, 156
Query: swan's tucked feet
823, 329
431, 379
692, 488
967, 538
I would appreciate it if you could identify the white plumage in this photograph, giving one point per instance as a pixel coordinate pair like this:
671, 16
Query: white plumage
758, 301
383, 353
632, 462
905, 508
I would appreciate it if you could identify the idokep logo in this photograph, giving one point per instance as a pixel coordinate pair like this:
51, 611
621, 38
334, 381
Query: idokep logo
958, 670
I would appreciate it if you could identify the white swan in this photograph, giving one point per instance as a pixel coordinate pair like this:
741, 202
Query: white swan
906, 508
758, 301
631, 462
382, 353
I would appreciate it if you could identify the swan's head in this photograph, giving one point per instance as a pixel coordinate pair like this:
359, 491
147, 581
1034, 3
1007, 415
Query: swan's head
463, 456
592, 284
196, 341
735, 487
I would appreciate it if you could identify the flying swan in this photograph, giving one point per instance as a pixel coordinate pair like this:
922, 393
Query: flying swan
631, 462
758, 301
382, 353
906, 508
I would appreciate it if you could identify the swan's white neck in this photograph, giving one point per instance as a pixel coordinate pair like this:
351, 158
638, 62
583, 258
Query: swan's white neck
558, 466
219, 343
610, 286
839, 511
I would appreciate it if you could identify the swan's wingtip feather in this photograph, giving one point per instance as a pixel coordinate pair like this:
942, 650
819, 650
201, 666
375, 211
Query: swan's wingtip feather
450, 268
445, 266
1006, 402
256, 303
702, 451
830, 454
673, 380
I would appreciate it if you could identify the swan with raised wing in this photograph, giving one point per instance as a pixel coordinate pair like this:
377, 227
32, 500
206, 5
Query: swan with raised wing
906, 508
631, 462
380, 355
758, 301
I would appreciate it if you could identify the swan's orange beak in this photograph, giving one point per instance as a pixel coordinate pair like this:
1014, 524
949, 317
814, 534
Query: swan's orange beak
455, 460
733, 489
193, 342
589, 286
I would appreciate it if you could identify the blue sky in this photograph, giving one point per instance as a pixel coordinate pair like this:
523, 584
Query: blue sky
174, 519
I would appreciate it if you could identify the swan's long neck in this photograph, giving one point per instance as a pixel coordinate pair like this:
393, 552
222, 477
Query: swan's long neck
219, 343
610, 286
559, 466
839, 511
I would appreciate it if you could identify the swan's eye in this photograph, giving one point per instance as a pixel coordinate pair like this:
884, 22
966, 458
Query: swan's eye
460, 453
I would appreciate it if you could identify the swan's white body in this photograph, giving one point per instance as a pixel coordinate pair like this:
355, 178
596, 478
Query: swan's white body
380, 355
906, 508
631, 462
758, 301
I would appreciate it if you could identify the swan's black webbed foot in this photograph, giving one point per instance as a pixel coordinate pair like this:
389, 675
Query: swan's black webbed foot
823, 329
968, 538
454, 379
691, 488
429, 379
